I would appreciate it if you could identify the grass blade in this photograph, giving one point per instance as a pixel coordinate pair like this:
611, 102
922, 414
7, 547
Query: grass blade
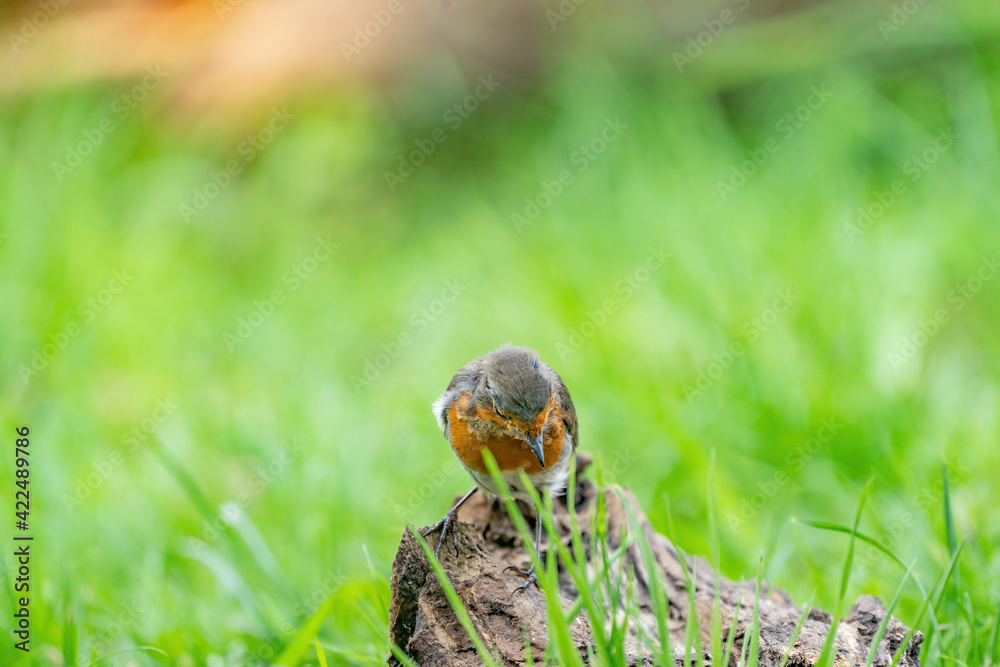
826, 656
529, 658
728, 650
151, 649
547, 572
955, 660
320, 655
991, 647
558, 625
692, 634
299, 645
382, 599
880, 632
949, 521
228, 576
942, 582
575, 535
839, 528
798, 629
657, 594
845, 578
753, 658
715, 554
454, 600
255, 544
577, 571
399, 655
354, 657
743, 649
70, 639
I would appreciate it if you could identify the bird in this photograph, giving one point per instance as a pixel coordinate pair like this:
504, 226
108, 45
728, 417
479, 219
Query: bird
517, 407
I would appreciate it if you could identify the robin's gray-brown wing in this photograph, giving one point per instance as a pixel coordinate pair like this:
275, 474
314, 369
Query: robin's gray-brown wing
465, 379
568, 410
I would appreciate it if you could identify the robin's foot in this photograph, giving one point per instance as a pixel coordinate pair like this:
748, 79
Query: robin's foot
444, 525
528, 574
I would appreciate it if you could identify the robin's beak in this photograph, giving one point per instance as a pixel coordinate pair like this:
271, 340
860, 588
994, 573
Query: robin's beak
535, 442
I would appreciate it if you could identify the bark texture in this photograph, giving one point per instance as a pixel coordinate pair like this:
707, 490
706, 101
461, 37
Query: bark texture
424, 625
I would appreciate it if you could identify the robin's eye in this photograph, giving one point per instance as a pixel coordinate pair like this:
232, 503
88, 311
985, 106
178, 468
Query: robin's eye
502, 415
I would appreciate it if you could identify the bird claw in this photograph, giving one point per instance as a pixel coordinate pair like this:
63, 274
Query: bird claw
444, 525
528, 574
524, 574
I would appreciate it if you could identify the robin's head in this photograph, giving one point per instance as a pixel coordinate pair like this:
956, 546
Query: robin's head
517, 394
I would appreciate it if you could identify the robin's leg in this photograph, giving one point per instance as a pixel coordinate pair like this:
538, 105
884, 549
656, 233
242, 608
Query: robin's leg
529, 574
448, 523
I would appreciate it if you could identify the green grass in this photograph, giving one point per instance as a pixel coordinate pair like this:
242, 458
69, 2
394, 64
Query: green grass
829, 652
815, 403
589, 584
456, 602
884, 623
798, 630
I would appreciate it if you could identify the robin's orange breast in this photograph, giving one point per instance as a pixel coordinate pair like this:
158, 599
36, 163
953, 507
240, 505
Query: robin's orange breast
511, 453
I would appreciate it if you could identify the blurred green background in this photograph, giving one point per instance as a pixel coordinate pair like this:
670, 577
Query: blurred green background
826, 189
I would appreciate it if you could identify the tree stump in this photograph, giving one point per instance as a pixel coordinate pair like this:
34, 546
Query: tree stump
424, 626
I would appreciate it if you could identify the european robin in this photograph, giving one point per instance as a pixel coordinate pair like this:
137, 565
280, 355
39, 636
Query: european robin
518, 408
